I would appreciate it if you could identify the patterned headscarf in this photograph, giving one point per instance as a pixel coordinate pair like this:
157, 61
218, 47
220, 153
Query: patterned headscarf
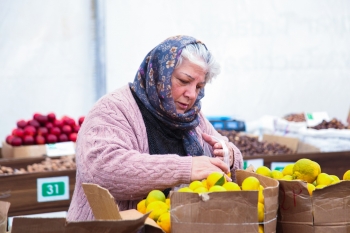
152, 85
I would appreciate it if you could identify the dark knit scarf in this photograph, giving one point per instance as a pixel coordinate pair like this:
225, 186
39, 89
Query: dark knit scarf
161, 139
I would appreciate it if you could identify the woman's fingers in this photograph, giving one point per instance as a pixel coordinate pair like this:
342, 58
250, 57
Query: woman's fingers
208, 139
219, 152
219, 163
202, 166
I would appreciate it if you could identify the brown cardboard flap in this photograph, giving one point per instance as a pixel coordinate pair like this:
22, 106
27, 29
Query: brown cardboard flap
209, 212
291, 143
294, 228
103, 206
295, 204
119, 226
59, 225
332, 204
101, 202
4, 208
39, 225
332, 229
271, 190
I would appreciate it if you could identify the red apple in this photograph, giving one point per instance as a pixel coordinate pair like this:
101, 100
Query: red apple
76, 128
34, 123
18, 132
68, 121
49, 125
51, 138
81, 120
9, 139
42, 131
63, 138
42, 119
16, 141
29, 130
51, 117
58, 123
35, 115
55, 130
21, 124
28, 140
73, 137
67, 129
40, 140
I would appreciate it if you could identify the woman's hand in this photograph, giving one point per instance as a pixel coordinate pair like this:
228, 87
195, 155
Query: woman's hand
217, 148
202, 166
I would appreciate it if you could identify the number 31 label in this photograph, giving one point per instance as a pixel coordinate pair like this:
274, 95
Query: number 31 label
53, 189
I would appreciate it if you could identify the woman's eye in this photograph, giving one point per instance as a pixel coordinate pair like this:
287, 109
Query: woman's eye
183, 81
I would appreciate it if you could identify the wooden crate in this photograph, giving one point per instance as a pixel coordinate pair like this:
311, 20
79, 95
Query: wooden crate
333, 163
21, 189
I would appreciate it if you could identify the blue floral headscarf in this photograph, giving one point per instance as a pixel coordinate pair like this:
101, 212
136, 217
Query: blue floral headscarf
152, 85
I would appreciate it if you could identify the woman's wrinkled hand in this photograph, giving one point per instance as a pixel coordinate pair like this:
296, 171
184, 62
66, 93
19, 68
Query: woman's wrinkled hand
202, 166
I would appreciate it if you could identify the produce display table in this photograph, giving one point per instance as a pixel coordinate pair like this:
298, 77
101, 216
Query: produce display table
21, 190
24, 191
332, 163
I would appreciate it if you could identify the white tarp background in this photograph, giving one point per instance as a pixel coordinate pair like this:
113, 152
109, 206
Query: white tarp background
277, 57
46, 59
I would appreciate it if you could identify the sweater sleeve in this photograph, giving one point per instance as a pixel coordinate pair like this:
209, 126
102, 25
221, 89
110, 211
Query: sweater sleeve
207, 127
112, 151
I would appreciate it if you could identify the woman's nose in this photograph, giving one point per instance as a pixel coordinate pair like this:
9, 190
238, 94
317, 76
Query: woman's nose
191, 92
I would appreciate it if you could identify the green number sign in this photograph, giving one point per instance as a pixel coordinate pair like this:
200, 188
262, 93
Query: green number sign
53, 189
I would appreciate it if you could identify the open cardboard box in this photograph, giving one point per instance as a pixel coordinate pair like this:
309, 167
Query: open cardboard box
327, 210
108, 218
294, 144
4, 208
9, 151
233, 211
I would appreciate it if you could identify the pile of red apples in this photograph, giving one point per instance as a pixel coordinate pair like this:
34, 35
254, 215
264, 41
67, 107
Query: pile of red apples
44, 129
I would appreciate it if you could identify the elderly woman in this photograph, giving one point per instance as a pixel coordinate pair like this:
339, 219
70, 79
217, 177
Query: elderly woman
151, 133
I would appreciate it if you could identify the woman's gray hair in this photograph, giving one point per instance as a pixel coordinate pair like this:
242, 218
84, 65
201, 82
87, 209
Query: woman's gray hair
199, 55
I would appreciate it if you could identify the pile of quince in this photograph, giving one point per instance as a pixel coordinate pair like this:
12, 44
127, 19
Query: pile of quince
159, 206
304, 170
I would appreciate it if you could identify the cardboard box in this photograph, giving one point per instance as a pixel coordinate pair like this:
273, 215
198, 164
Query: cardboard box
9, 151
327, 210
4, 207
108, 218
294, 144
234, 211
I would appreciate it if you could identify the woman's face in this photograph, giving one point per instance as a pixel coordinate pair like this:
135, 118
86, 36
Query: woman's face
187, 81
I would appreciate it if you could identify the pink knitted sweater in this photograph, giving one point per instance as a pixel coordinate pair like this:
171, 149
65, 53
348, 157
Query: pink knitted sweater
112, 151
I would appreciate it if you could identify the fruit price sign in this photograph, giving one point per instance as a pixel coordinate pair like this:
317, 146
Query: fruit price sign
254, 162
53, 189
315, 118
59, 149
